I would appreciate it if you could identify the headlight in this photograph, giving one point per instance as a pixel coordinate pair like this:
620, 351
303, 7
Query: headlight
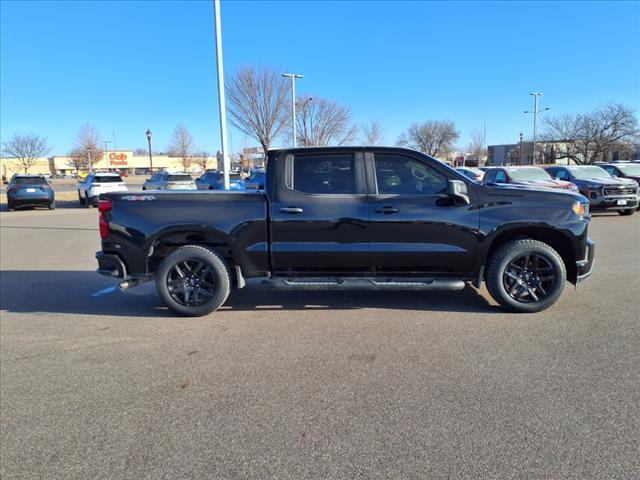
580, 209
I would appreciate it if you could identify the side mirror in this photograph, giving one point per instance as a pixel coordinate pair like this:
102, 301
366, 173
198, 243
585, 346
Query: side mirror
458, 189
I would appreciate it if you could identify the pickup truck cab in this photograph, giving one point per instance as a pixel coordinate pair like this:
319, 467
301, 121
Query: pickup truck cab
349, 218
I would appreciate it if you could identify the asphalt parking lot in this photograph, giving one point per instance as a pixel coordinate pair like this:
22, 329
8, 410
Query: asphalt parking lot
97, 383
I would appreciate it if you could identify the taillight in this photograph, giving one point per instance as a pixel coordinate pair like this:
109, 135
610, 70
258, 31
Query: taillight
104, 206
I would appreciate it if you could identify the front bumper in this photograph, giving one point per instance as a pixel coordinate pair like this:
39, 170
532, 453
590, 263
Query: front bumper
584, 267
612, 203
111, 265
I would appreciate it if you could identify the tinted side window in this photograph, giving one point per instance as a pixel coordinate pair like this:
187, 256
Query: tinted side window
400, 175
561, 174
500, 177
328, 174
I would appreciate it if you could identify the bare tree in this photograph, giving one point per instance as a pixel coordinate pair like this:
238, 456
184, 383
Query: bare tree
86, 147
24, 150
202, 159
323, 122
585, 138
372, 132
257, 103
477, 148
182, 145
432, 137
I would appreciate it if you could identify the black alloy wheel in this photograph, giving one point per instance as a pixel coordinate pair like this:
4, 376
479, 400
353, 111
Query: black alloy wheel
526, 276
529, 278
191, 283
193, 280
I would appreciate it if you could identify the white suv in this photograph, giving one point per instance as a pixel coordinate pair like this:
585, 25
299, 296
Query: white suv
96, 183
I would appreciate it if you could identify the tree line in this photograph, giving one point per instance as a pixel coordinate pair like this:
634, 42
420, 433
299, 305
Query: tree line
259, 104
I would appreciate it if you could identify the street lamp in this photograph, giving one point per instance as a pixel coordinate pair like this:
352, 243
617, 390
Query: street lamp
304, 119
535, 120
293, 77
106, 157
150, 156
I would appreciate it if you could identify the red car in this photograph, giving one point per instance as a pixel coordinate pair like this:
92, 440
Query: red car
529, 176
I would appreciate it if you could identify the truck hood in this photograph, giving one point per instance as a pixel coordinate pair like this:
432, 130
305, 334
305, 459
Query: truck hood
544, 183
505, 189
607, 181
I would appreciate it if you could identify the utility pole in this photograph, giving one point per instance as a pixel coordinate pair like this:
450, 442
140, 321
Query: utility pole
150, 156
106, 156
89, 158
520, 151
535, 121
221, 100
293, 77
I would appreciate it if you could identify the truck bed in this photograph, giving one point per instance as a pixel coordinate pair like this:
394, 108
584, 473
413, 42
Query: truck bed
232, 221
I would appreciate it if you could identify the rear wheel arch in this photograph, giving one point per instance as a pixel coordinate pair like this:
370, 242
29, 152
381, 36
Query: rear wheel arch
560, 242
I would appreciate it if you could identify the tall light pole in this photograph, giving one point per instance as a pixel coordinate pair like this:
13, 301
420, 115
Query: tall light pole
535, 121
304, 119
89, 158
293, 77
106, 155
150, 156
221, 99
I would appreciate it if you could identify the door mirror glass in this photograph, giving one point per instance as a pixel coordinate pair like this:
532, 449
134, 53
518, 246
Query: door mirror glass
458, 190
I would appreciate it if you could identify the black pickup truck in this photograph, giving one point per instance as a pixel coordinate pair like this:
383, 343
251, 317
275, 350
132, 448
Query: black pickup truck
349, 217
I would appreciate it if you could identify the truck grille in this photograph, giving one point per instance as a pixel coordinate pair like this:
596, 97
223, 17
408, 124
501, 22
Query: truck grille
621, 190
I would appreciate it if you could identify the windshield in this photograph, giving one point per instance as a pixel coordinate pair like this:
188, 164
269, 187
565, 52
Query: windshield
29, 181
179, 178
584, 173
631, 170
524, 174
107, 179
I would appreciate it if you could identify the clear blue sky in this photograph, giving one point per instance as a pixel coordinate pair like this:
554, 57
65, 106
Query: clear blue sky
127, 66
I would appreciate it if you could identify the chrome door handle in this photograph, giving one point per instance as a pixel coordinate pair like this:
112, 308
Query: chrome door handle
291, 210
387, 210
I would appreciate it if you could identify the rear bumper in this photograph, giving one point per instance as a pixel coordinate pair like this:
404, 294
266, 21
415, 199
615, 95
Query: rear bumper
25, 201
585, 266
111, 265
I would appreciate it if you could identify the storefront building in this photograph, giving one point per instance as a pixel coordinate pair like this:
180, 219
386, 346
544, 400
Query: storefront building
123, 160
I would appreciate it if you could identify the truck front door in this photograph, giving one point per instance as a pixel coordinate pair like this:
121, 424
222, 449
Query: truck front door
319, 214
415, 227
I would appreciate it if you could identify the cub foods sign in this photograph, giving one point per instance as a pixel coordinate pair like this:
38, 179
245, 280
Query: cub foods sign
119, 159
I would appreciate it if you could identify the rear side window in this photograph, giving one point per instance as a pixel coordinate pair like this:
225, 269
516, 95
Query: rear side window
107, 179
562, 175
29, 181
179, 178
400, 175
328, 174
501, 177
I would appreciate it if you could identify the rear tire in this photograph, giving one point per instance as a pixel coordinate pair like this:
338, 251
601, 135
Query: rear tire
11, 206
193, 281
52, 205
526, 276
626, 213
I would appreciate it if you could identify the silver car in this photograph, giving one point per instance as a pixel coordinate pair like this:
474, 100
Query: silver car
170, 181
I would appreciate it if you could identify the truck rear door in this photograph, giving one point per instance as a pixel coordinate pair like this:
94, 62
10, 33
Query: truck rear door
319, 213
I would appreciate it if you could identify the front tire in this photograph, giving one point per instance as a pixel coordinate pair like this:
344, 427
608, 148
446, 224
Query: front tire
52, 205
193, 281
626, 213
526, 276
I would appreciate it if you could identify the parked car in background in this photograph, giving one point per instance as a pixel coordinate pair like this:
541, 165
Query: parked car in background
472, 173
257, 180
603, 191
529, 176
624, 170
30, 191
169, 181
215, 181
96, 183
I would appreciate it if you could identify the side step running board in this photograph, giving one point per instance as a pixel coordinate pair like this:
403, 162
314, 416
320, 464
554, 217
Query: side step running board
433, 284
